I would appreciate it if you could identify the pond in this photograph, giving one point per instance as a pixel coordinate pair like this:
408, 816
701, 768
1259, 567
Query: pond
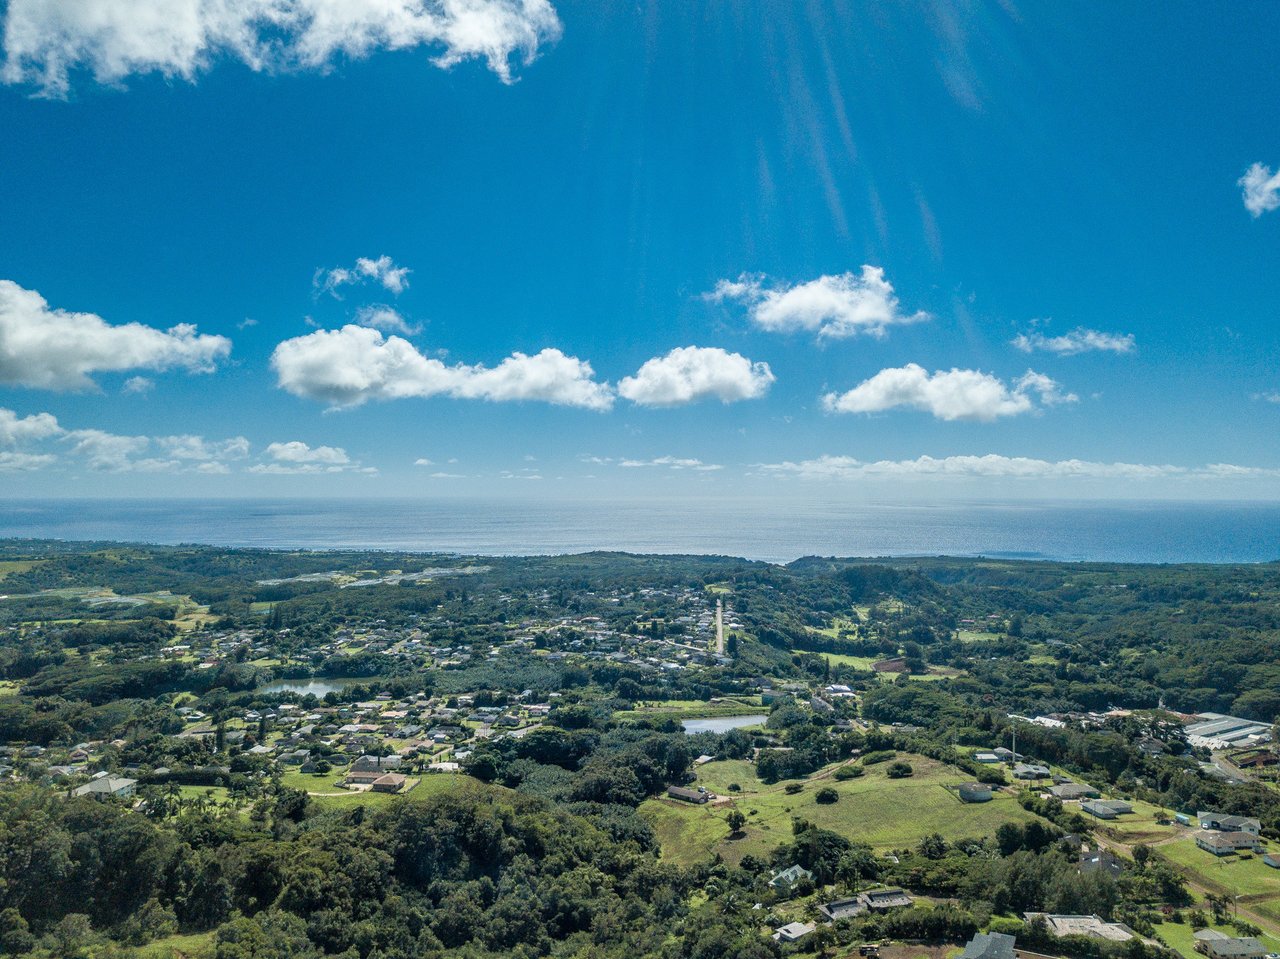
721, 724
316, 687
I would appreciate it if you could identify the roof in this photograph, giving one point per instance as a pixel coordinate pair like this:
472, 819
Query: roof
106, 786
1095, 927
989, 945
791, 875
1227, 946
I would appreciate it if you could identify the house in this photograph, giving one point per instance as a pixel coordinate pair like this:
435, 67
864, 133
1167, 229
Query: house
793, 931
379, 763
116, 787
1105, 808
987, 759
1006, 755
1095, 927
687, 795
1226, 843
842, 908
1272, 861
1031, 771
444, 767
879, 900
989, 945
362, 777
1099, 860
1218, 945
389, 783
790, 877
1074, 791
974, 792
1215, 820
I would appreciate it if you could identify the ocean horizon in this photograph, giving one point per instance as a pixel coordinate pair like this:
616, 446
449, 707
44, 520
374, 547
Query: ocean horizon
1129, 532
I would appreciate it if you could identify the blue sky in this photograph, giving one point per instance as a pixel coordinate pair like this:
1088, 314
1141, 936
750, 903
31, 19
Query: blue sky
852, 250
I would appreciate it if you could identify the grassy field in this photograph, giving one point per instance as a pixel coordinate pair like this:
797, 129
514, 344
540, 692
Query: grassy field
8, 566
694, 708
976, 636
8, 688
197, 946
1178, 936
325, 792
1141, 827
1256, 883
857, 662
884, 813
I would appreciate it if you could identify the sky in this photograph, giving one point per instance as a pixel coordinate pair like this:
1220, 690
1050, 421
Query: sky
560, 248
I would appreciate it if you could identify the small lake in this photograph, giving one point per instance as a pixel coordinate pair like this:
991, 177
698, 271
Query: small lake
316, 687
721, 724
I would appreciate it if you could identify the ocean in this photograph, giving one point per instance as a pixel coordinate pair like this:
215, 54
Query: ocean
1164, 532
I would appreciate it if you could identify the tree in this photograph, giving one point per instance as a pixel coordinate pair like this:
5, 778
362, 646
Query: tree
1141, 853
735, 820
899, 770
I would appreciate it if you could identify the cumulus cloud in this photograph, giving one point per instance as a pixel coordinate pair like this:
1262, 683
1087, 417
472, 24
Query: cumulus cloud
114, 453
356, 364
296, 451
17, 430
834, 307
138, 385
386, 319
995, 466
669, 462
948, 394
1260, 189
46, 41
1079, 340
197, 448
381, 270
60, 350
691, 373
13, 461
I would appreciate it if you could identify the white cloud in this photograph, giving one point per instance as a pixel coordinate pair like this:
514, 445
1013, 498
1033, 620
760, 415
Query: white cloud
17, 462
948, 395
299, 452
46, 41
670, 462
16, 430
1260, 189
355, 364
138, 385
56, 349
386, 319
832, 306
382, 270
691, 373
1272, 397
1079, 340
197, 448
423, 461
113, 453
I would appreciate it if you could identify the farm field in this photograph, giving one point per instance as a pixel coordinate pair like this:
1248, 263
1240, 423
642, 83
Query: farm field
884, 813
857, 662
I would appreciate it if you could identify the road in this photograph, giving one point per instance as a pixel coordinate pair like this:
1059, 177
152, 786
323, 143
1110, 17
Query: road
720, 626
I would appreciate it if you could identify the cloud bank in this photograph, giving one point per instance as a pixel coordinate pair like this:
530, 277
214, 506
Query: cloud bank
46, 41
948, 395
834, 307
55, 349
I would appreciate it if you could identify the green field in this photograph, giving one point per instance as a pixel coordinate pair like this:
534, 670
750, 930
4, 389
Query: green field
325, 792
8, 566
976, 636
884, 813
693, 708
857, 662
1256, 883
1141, 827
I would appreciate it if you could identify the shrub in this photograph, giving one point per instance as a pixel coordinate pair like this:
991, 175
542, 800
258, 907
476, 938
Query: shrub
883, 755
826, 795
735, 788
792, 788
849, 772
899, 770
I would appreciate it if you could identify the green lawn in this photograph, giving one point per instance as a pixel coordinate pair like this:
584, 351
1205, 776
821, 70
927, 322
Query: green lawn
1141, 827
1256, 883
884, 813
429, 784
976, 636
1179, 937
